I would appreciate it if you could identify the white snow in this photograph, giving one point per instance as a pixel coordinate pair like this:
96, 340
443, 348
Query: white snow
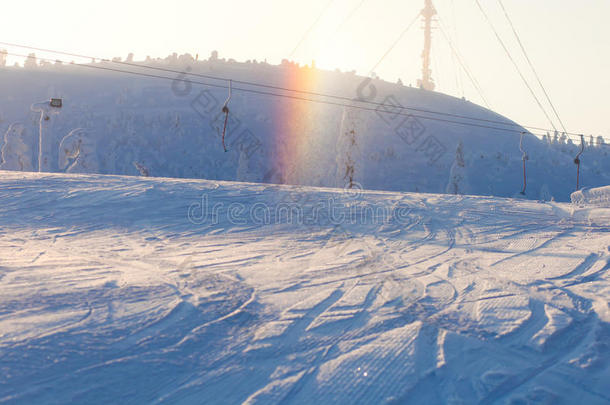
592, 196
171, 128
16, 154
150, 290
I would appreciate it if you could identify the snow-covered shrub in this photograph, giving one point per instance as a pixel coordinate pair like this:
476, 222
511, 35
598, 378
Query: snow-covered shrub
348, 152
144, 171
30, 62
457, 176
77, 153
16, 152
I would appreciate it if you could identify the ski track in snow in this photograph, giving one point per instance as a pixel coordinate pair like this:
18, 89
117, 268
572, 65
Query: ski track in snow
110, 294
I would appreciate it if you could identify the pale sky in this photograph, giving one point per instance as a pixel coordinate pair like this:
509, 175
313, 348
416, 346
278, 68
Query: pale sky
568, 42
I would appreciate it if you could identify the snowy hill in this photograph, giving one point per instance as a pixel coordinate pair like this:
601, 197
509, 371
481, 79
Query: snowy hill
129, 290
116, 123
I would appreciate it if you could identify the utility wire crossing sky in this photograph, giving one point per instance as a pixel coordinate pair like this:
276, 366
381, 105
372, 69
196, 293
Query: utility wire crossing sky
566, 43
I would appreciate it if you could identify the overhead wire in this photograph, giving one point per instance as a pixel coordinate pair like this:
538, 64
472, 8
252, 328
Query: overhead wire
493, 28
280, 88
456, 73
295, 97
311, 27
249, 83
470, 76
280, 95
391, 48
510, 22
349, 16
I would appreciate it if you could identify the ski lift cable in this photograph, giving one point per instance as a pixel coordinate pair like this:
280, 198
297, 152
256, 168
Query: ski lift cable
249, 83
290, 96
531, 65
254, 84
280, 95
311, 27
293, 97
286, 96
514, 63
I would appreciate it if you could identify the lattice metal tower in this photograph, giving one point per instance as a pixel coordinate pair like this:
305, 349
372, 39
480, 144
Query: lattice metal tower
426, 82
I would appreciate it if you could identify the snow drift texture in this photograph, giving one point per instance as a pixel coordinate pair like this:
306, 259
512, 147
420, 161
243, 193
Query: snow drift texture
131, 125
131, 290
592, 196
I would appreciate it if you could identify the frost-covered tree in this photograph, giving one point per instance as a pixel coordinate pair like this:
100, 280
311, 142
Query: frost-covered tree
243, 170
348, 152
186, 59
556, 138
16, 151
600, 141
3, 55
250, 166
172, 59
77, 153
546, 138
30, 62
457, 175
545, 193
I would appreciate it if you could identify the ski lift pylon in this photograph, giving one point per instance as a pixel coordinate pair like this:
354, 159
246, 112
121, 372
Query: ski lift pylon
577, 161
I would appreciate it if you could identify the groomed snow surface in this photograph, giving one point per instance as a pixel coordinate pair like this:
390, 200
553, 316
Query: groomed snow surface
130, 290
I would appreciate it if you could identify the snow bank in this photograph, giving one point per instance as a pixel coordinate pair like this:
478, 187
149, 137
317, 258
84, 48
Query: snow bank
119, 289
599, 196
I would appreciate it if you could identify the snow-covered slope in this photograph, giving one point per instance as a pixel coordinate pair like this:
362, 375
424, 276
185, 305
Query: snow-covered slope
129, 290
171, 127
